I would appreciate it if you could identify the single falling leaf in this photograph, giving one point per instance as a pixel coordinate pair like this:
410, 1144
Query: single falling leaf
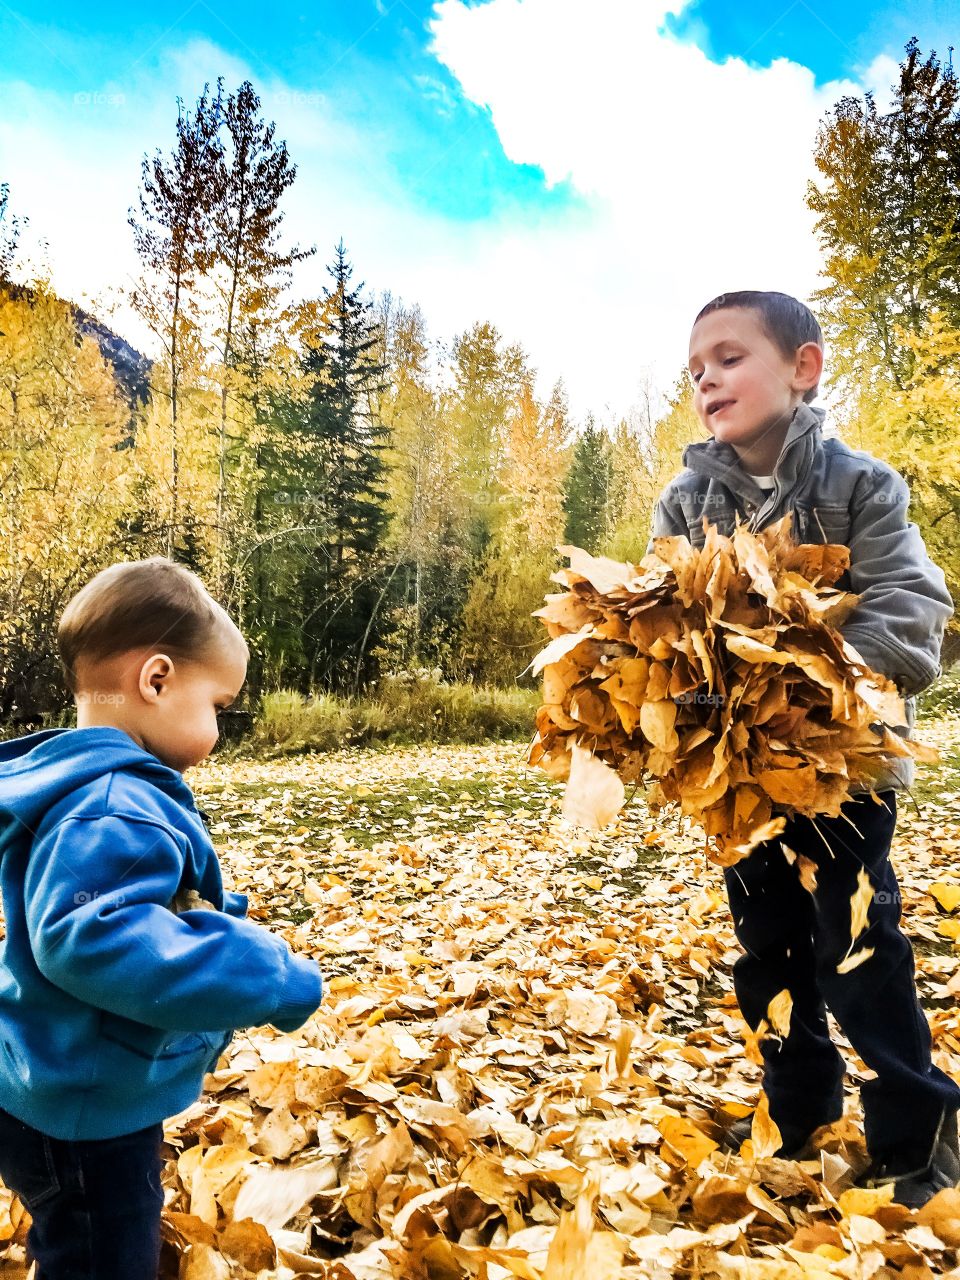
594, 794
854, 961
807, 869
578, 1249
860, 904
778, 1012
624, 1045
752, 1039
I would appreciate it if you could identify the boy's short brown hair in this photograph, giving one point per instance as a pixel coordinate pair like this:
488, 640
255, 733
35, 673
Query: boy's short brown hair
784, 319
152, 603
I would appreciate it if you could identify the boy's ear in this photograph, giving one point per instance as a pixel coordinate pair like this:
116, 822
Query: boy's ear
153, 673
809, 366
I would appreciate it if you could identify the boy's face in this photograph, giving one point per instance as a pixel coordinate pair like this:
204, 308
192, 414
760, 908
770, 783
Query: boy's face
745, 389
179, 721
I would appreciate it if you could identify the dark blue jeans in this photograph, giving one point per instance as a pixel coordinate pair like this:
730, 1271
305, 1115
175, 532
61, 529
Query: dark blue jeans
95, 1205
795, 939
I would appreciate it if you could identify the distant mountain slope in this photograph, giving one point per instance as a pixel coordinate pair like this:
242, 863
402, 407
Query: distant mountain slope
131, 369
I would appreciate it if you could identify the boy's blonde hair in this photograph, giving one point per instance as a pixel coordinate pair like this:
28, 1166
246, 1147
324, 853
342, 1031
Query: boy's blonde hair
786, 321
153, 603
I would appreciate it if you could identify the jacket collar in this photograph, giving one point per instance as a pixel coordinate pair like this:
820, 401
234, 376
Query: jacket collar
720, 461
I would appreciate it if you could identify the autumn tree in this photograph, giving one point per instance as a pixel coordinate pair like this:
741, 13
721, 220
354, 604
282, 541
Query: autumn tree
487, 379
428, 536
500, 636
173, 238
249, 269
646, 453
888, 216
10, 229
64, 483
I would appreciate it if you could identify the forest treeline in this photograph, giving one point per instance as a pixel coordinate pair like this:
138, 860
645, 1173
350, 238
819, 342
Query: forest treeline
366, 499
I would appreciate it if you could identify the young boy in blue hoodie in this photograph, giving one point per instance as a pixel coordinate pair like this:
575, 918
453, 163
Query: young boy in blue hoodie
117, 993
755, 360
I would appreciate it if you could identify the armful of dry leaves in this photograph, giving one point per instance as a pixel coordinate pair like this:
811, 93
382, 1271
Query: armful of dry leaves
718, 674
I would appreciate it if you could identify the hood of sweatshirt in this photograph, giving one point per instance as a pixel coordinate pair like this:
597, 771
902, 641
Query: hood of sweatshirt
720, 461
37, 771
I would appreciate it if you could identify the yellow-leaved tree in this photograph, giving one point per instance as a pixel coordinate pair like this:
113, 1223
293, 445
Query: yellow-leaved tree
65, 482
501, 637
646, 457
914, 427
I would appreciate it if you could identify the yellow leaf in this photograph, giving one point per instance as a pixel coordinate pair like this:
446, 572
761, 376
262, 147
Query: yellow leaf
860, 905
831, 1251
865, 1200
686, 1139
779, 1010
852, 962
578, 1249
594, 794
657, 721
947, 894
765, 1137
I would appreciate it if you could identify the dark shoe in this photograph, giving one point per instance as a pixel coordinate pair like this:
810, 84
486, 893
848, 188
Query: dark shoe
796, 1140
915, 1182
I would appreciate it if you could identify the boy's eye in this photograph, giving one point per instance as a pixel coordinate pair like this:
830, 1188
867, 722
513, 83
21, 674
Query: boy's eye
695, 377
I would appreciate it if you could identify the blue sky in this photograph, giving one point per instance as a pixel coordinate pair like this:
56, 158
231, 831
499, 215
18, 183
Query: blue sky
369, 59
532, 162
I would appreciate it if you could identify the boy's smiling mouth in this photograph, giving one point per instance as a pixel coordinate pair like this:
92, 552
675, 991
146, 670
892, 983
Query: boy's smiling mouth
718, 406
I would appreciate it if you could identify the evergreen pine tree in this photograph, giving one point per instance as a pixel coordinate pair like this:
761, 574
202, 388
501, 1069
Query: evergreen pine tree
587, 491
345, 587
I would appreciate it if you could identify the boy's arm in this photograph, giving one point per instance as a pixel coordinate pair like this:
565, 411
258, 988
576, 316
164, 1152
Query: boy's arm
668, 519
904, 603
95, 894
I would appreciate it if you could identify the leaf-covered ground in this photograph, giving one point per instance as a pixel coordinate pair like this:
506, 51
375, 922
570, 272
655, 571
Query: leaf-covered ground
528, 1047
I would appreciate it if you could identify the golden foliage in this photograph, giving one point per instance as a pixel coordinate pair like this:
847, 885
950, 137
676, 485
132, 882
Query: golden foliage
718, 673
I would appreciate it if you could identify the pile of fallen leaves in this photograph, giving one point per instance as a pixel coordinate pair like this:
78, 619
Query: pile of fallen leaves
527, 1050
719, 673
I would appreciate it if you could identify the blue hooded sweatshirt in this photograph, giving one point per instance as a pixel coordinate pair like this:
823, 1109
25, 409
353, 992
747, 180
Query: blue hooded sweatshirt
112, 1005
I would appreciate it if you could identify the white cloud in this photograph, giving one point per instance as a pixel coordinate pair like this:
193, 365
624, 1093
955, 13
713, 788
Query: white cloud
692, 176
697, 170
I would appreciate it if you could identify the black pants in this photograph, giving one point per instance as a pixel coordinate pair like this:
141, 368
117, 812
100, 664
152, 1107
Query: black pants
95, 1205
795, 939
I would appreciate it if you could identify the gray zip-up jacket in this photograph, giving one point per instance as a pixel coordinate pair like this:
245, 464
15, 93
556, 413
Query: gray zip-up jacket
836, 494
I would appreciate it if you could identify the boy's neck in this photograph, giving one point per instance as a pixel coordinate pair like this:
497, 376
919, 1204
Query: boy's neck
99, 717
760, 458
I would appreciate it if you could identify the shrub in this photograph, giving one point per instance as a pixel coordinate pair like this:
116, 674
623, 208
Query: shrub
408, 708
